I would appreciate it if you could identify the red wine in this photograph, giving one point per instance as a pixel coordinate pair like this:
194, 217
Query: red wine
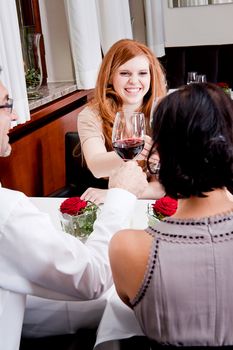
128, 149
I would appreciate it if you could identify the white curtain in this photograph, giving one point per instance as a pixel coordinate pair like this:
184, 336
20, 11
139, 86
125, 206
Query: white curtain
11, 59
221, 2
186, 3
95, 25
197, 2
155, 26
114, 22
85, 41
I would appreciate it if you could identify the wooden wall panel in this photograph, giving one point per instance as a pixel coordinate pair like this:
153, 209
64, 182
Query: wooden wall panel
36, 165
53, 152
22, 169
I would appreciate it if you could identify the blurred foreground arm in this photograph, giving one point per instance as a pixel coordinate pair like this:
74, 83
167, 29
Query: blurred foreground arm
37, 259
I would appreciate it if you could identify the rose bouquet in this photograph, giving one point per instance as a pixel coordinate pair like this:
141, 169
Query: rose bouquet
163, 207
78, 217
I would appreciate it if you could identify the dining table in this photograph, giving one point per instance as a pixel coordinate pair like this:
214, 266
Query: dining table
113, 319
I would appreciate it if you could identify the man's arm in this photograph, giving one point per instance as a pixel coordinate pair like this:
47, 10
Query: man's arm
37, 259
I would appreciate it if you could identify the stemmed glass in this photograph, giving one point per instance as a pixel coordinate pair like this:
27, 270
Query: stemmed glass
191, 78
201, 78
128, 134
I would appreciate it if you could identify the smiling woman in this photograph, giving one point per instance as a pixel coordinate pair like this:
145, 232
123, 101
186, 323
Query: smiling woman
130, 79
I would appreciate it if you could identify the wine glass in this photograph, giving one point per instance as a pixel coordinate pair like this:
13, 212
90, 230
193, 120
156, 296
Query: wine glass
128, 134
201, 78
191, 78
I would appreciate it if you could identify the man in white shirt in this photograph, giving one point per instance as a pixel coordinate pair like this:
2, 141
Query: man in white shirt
36, 259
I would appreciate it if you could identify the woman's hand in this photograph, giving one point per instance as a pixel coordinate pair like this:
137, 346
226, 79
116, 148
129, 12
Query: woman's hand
142, 157
147, 146
95, 195
129, 176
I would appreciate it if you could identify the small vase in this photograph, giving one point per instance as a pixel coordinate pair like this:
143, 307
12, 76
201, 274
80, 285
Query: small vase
32, 63
152, 220
80, 226
228, 91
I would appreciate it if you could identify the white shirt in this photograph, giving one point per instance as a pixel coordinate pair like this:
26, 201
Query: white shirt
37, 259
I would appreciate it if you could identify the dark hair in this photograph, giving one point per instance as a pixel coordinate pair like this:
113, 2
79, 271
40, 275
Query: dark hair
193, 134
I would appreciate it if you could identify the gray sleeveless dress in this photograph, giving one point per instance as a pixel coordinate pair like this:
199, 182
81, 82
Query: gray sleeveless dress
186, 297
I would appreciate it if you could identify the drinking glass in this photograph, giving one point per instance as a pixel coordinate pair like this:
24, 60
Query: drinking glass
201, 78
128, 134
191, 78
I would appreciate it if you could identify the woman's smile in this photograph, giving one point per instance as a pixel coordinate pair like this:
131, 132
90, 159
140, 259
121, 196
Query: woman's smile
131, 81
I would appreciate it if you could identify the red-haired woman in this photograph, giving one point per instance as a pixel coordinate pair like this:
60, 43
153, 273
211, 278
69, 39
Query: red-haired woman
130, 78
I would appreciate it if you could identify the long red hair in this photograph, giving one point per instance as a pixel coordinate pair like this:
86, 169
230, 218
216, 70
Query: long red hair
106, 101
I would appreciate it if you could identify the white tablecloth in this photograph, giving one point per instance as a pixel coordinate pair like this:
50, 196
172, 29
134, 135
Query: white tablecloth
51, 206
117, 321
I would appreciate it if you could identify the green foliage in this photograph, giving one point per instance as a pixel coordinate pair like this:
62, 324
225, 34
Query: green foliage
81, 225
32, 77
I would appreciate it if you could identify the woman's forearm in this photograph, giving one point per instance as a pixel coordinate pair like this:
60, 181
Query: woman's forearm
101, 165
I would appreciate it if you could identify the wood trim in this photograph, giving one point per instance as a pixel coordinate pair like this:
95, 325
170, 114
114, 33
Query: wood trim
42, 115
36, 15
36, 165
38, 29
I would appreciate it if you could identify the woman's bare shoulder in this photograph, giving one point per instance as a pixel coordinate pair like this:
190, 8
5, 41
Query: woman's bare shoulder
130, 244
129, 252
128, 239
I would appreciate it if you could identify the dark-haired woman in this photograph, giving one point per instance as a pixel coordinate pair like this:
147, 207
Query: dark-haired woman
177, 275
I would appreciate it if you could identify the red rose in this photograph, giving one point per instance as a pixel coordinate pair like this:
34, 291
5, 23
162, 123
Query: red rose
223, 85
165, 206
73, 206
